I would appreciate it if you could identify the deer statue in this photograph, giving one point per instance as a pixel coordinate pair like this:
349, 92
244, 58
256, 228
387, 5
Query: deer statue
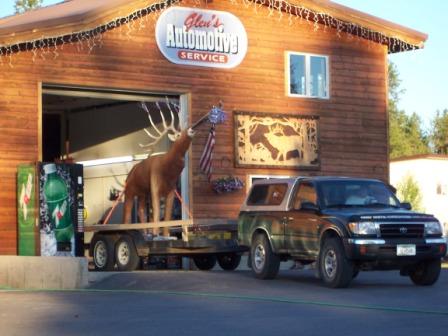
156, 176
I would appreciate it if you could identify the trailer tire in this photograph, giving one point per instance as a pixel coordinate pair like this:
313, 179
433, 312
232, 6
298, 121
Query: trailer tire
229, 261
103, 252
205, 262
126, 255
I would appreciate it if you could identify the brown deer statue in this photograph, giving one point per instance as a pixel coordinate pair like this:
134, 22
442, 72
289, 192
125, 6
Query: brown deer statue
156, 176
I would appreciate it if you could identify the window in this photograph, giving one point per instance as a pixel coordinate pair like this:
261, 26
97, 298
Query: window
307, 75
253, 178
442, 189
356, 193
267, 194
306, 193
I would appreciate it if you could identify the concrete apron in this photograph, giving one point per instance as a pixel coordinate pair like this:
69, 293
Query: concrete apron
20, 272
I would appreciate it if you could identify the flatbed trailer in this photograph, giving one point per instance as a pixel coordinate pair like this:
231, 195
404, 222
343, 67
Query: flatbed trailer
207, 241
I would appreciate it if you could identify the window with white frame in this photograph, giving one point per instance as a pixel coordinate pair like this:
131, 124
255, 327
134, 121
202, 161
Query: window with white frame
442, 189
307, 75
252, 178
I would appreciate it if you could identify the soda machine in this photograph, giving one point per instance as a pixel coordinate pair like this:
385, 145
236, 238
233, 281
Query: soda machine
50, 209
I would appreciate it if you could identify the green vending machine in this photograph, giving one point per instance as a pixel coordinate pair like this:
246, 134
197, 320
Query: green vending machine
27, 214
50, 207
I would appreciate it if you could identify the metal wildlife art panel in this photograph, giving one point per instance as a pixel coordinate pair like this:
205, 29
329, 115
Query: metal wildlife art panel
267, 140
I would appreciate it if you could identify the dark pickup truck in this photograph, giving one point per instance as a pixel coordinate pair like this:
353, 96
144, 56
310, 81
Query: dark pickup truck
344, 225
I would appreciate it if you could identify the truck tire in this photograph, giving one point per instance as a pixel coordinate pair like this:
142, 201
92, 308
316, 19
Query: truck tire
103, 252
264, 262
126, 254
335, 269
205, 262
229, 262
426, 272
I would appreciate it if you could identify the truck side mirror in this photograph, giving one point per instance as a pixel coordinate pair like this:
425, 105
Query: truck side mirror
309, 206
406, 206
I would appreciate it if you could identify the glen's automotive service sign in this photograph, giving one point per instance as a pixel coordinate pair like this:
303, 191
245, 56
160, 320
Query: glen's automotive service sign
201, 37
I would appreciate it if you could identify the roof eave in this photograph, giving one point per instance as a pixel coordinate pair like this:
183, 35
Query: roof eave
412, 37
83, 21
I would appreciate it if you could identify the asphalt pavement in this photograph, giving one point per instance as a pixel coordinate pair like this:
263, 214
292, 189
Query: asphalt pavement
230, 303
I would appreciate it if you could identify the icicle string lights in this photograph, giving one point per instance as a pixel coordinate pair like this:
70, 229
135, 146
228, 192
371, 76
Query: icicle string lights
92, 38
87, 38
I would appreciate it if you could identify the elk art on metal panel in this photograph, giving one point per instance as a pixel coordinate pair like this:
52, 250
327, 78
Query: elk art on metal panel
276, 140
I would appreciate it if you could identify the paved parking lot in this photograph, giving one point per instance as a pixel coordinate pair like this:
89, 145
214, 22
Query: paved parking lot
223, 303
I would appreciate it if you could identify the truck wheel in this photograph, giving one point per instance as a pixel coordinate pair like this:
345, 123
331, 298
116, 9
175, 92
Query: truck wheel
126, 254
426, 273
205, 262
335, 269
103, 253
229, 262
265, 263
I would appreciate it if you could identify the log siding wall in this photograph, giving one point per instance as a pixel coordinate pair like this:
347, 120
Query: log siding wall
353, 122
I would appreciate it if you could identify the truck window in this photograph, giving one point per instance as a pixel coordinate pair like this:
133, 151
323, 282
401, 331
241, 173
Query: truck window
306, 193
356, 193
267, 194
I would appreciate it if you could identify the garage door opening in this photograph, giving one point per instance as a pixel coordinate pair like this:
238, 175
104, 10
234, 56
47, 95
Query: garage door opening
103, 130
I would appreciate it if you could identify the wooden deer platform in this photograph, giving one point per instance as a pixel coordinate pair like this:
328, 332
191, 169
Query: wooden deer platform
190, 228
205, 240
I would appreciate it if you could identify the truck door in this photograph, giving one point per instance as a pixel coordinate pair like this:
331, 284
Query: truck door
301, 226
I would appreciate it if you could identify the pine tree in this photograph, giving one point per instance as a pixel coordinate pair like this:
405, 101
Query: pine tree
405, 134
409, 191
439, 133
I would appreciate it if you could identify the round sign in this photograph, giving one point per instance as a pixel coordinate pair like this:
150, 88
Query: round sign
194, 36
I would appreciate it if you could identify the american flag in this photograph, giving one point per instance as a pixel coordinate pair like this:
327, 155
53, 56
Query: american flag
207, 155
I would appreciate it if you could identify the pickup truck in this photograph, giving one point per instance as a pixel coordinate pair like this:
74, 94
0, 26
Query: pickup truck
342, 225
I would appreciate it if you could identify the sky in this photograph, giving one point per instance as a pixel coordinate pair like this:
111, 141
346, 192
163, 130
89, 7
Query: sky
423, 72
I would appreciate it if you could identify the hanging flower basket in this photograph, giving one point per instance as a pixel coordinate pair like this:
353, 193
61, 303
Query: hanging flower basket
227, 184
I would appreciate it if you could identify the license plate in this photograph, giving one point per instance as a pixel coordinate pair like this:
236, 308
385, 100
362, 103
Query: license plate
405, 250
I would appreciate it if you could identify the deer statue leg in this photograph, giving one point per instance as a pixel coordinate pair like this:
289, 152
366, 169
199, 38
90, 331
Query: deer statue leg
141, 208
127, 210
169, 202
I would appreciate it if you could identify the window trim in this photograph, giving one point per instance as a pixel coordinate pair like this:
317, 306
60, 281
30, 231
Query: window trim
252, 177
308, 56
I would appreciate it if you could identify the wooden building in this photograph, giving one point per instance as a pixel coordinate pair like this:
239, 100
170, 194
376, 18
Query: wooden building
303, 83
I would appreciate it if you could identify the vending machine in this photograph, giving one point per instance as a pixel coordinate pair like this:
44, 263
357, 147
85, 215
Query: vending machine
56, 207
27, 214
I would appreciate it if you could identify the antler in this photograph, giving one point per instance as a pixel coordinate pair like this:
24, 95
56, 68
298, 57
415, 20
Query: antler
276, 128
166, 128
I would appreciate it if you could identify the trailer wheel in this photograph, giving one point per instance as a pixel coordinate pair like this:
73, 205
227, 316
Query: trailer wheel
229, 262
126, 254
205, 262
103, 252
